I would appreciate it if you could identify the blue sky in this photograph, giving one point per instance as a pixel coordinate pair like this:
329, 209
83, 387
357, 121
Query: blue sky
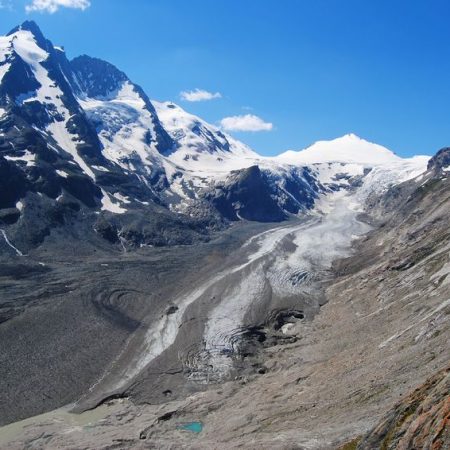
314, 69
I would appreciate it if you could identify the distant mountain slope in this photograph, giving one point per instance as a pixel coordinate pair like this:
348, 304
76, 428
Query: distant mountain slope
125, 119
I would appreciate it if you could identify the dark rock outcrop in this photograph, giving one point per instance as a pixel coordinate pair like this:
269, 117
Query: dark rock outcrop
440, 161
246, 195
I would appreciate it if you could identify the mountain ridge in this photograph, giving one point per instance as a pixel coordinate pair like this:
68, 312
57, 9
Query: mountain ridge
82, 134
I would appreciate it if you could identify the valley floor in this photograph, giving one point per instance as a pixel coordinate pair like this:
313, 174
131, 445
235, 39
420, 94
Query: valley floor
66, 312
267, 350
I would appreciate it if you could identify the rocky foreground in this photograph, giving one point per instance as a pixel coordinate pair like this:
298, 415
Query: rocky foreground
421, 420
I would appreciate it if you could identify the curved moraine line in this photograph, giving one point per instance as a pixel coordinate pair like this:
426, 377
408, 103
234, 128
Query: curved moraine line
162, 334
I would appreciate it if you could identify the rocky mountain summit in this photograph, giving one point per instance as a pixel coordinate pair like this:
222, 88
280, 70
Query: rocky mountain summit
164, 286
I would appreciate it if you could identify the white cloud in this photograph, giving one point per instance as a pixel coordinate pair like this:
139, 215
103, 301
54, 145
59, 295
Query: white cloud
51, 6
199, 95
247, 122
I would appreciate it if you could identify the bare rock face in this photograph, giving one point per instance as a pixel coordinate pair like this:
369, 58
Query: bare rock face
246, 194
420, 421
440, 161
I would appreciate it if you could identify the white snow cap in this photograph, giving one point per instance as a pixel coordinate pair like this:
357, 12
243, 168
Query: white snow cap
349, 149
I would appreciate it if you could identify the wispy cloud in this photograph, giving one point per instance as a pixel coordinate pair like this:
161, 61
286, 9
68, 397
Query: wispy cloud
6, 4
247, 122
199, 95
51, 6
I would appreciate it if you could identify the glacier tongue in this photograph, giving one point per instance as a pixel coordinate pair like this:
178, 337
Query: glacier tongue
279, 272
270, 267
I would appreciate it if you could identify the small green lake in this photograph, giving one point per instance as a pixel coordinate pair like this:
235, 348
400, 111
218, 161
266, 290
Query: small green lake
194, 427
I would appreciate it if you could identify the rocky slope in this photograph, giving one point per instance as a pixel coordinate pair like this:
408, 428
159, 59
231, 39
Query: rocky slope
420, 420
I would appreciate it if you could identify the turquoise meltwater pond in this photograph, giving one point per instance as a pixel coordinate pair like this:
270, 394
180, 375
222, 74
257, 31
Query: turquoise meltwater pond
195, 427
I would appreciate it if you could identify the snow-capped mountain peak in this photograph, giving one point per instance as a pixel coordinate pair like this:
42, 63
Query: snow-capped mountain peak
96, 78
32, 80
347, 149
69, 121
120, 110
26, 43
201, 147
